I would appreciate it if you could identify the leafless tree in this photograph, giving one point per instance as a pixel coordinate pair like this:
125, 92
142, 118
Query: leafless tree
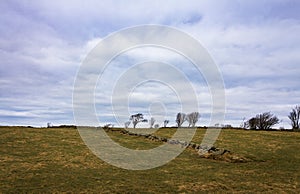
192, 118
294, 116
262, 121
127, 123
251, 123
166, 122
152, 121
107, 126
137, 118
217, 125
180, 118
243, 124
49, 125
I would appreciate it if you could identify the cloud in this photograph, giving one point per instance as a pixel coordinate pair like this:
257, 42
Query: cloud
43, 43
134, 86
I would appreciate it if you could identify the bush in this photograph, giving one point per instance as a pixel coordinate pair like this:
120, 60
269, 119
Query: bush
262, 121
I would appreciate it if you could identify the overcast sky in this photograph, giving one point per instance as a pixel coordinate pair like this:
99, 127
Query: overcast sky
255, 43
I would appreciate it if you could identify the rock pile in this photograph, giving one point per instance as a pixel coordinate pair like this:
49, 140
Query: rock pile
203, 151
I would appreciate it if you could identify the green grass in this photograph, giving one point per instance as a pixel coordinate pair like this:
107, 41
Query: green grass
56, 160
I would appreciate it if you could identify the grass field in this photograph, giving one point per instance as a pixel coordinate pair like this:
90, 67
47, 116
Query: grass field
39, 160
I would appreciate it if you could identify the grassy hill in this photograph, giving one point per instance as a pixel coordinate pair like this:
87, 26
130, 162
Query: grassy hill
56, 160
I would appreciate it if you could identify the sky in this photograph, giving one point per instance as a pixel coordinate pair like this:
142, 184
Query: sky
43, 44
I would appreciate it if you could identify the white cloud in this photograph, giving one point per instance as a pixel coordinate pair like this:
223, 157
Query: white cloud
256, 45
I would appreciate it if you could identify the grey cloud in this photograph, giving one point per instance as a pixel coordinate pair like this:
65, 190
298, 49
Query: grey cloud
42, 43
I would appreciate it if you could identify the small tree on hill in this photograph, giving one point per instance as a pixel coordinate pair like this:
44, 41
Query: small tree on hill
252, 123
294, 116
180, 118
152, 121
107, 126
166, 122
137, 118
127, 123
49, 125
262, 121
192, 118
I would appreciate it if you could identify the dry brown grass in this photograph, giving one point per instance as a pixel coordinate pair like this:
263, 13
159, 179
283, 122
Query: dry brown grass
34, 160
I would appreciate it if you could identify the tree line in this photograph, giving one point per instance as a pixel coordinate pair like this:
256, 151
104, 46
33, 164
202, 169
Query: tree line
263, 121
191, 118
266, 120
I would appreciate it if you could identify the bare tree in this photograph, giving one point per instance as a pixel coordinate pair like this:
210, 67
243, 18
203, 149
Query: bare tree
192, 118
152, 121
262, 121
294, 116
49, 125
107, 126
243, 124
166, 122
137, 118
180, 118
217, 125
251, 123
127, 123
